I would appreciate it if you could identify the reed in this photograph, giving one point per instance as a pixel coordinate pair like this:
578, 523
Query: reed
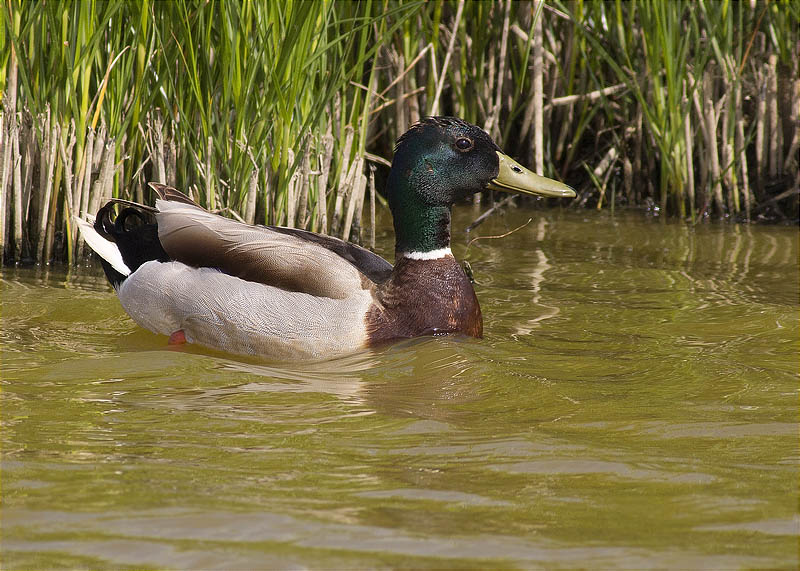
285, 112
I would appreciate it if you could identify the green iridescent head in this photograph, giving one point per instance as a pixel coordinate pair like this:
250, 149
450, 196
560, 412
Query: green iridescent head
441, 160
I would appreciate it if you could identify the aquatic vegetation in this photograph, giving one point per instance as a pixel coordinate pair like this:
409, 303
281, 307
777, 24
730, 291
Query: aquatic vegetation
281, 112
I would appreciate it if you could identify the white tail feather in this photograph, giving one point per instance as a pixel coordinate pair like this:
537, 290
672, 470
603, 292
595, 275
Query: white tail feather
106, 249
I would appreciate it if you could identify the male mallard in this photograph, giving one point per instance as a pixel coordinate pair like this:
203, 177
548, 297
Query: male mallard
285, 293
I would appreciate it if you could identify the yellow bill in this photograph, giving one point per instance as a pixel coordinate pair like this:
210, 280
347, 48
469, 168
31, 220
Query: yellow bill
513, 177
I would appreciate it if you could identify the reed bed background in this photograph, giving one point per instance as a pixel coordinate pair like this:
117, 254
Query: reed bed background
285, 112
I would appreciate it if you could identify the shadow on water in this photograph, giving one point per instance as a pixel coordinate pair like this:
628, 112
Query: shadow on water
634, 404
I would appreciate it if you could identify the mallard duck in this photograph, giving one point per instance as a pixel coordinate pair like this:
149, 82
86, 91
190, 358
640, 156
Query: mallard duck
286, 293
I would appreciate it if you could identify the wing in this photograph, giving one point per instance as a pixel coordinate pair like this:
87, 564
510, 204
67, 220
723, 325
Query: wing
196, 237
368, 263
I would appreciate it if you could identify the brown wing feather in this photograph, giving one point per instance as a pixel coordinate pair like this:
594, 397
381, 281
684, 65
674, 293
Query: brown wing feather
255, 253
368, 263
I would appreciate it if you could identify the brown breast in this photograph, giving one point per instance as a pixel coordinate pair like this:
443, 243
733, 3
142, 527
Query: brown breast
424, 297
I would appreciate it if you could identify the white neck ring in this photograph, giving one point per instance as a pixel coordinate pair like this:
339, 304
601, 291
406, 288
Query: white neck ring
431, 255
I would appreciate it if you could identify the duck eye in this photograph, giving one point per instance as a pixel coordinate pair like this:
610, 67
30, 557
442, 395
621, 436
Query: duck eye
463, 144
515, 168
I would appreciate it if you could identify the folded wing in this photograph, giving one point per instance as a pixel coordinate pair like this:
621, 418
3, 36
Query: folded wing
274, 257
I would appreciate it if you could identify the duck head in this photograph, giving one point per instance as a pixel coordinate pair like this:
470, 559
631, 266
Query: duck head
441, 160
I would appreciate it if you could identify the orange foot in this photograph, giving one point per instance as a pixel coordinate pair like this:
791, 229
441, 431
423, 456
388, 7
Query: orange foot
177, 338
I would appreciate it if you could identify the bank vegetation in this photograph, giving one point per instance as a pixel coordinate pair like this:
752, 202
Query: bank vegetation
286, 112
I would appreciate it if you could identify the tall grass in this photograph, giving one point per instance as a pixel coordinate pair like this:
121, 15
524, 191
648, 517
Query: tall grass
279, 112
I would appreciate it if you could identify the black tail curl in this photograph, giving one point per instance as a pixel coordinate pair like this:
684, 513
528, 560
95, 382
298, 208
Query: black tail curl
135, 232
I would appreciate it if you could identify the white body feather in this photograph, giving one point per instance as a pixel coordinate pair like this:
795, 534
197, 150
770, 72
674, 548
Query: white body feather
231, 314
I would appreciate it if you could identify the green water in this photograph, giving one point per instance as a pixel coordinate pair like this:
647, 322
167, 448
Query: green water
634, 404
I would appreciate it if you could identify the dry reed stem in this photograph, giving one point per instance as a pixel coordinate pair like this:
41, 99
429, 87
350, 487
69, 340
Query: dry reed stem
604, 169
726, 143
27, 187
291, 190
740, 145
372, 206
590, 97
547, 54
638, 148
494, 208
103, 186
322, 181
791, 162
713, 157
171, 162
209, 175
83, 205
566, 128
400, 109
689, 152
44, 210
343, 175
3, 140
66, 171
158, 149
450, 46
252, 189
5, 165
761, 116
302, 206
538, 94
17, 187
627, 177
703, 124
87, 178
77, 188
361, 188
355, 187
399, 60
11, 132
775, 137
492, 124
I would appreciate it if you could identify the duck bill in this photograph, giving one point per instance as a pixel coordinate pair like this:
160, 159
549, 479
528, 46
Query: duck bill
513, 177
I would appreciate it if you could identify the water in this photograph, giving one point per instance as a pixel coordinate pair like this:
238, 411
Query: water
634, 405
